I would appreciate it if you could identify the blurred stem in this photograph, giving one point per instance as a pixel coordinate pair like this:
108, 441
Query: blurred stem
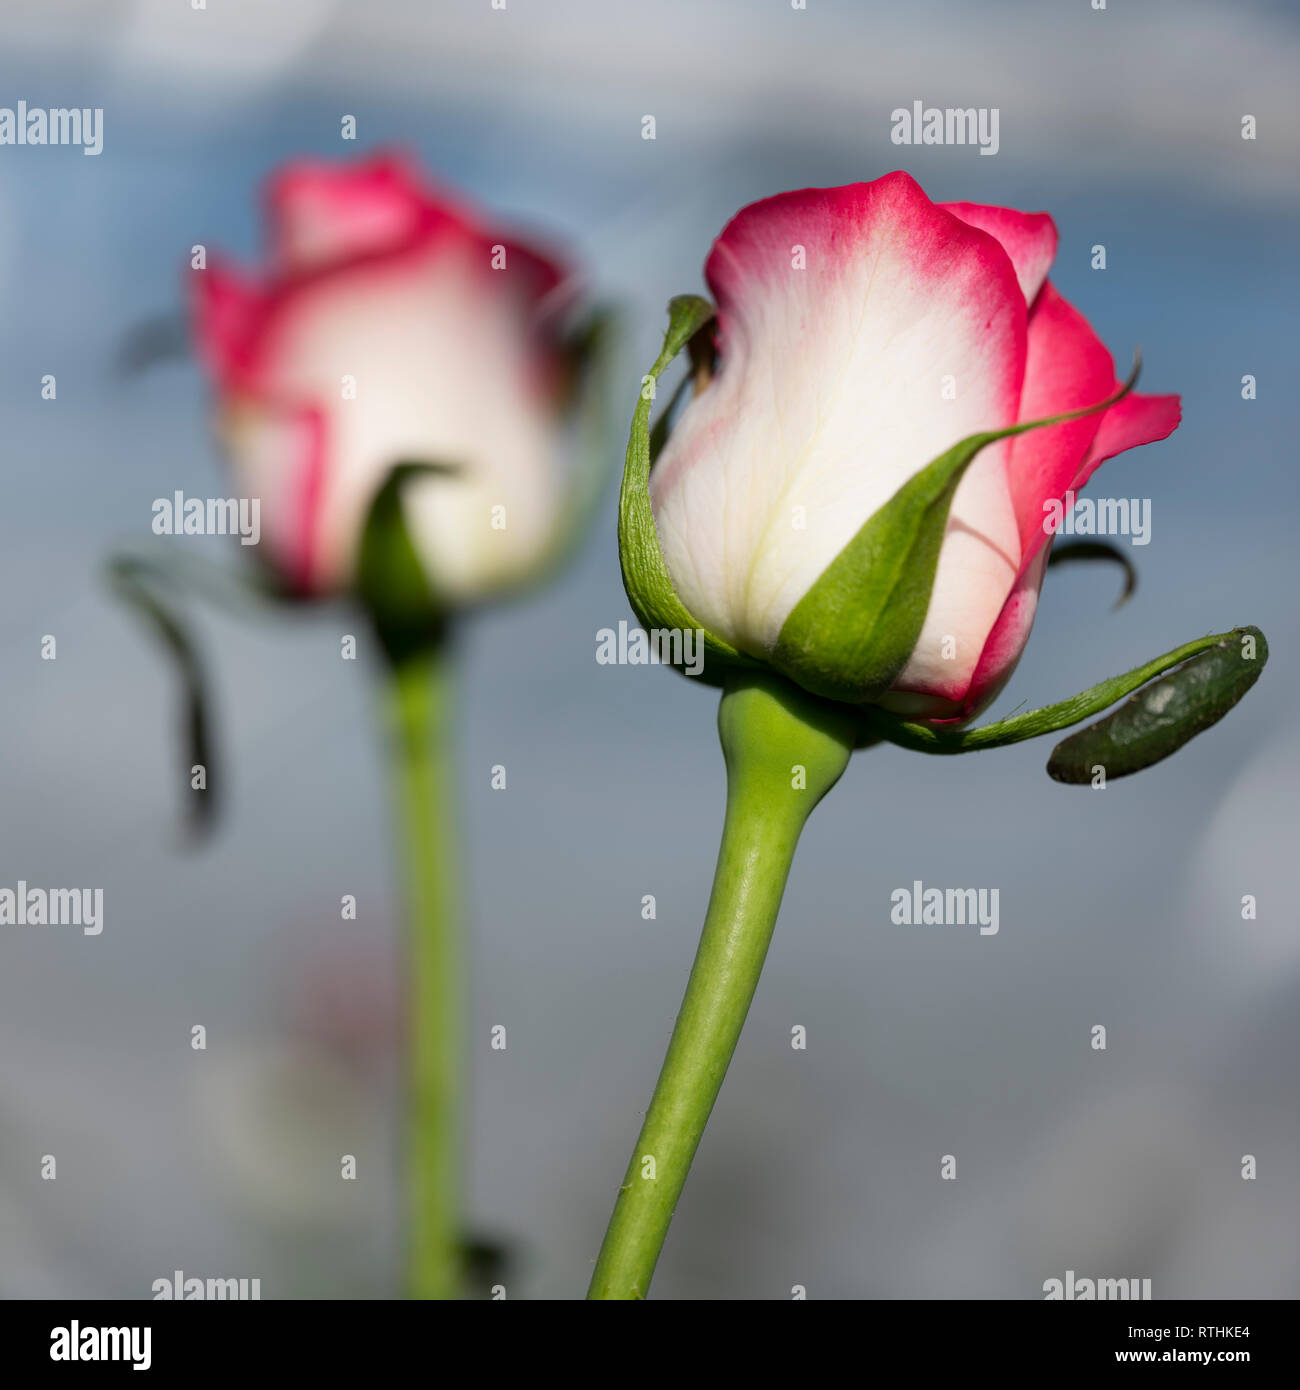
784, 751
419, 712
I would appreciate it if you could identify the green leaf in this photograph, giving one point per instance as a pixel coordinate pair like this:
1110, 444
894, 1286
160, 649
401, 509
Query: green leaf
137, 583
1069, 552
390, 581
239, 589
149, 582
1050, 719
1161, 717
645, 575
853, 631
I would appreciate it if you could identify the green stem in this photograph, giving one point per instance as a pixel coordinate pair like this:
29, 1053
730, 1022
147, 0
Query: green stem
419, 716
769, 732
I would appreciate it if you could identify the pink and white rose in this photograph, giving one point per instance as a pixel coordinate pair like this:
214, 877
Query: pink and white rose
862, 332
391, 325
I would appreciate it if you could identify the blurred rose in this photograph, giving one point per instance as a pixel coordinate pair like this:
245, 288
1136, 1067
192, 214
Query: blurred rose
391, 326
843, 314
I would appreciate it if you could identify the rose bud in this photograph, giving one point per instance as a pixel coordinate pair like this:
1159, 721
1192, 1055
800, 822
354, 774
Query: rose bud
391, 326
812, 510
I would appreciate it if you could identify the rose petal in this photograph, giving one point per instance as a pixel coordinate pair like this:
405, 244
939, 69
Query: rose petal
1136, 420
226, 312
1068, 367
1002, 652
1029, 238
277, 455
322, 213
830, 395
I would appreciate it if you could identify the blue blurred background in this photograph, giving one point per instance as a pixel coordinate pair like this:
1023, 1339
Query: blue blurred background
820, 1167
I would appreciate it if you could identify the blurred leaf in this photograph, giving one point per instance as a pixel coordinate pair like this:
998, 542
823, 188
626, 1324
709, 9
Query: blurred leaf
137, 584
163, 338
1070, 551
237, 588
587, 345
592, 353
483, 1264
152, 583
1163, 716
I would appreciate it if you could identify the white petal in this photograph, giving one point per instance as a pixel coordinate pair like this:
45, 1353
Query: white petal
831, 395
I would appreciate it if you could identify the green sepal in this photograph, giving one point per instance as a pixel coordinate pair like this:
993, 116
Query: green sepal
645, 575
1070, 552
408, 616
1161, 717
1050, 719
853, 631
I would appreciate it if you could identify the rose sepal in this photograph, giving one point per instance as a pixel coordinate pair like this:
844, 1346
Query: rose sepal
649, 587
409, 616
591, 353
1160, 718
1086, 552
1208, 677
